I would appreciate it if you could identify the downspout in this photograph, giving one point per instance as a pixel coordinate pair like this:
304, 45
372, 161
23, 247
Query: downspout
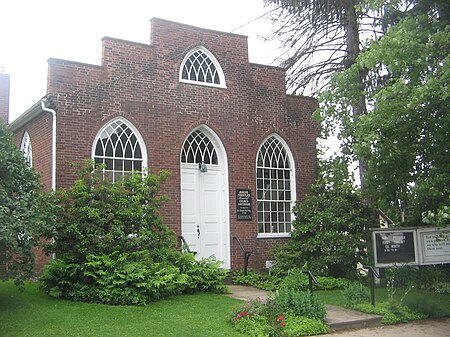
53, 112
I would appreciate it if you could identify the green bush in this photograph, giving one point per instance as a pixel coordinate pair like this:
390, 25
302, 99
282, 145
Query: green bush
113, 246
261, 281
268, 318
392, 314
296, 279
300, 303
355, 294
441, 288
330, 234
426, 306
130, 278
425, 277
303, 326
254, 326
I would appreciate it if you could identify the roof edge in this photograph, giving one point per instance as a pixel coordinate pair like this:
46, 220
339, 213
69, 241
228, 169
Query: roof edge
34, 111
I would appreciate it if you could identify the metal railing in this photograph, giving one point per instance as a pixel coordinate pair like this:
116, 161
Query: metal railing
185, 245
312, 280
372, 274
247, 253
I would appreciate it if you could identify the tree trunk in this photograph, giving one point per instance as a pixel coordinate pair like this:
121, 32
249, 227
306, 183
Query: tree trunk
351, 25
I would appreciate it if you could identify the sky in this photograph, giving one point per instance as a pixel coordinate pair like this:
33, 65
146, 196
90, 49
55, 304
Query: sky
32, 31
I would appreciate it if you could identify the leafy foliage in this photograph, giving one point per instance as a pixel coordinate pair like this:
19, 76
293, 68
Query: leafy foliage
19, 210
295, 279
300, 303
131, 278
330, 227
113, 247
264, 318
424, 277
391, 315
98, 217
403, 140
303, 326
355, 294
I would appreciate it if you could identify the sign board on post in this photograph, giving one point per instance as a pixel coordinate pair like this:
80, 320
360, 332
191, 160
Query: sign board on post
243, 205
414, 246
434, 245
395, 247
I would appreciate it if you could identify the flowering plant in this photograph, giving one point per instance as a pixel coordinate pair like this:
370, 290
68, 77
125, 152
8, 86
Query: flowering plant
281, 320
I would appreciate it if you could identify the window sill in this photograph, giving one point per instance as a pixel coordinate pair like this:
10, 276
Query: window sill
273, 236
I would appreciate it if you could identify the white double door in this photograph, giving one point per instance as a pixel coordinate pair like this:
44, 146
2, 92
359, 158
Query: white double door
204, 212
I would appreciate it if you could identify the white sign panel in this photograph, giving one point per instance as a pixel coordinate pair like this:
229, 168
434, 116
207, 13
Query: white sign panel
435, 245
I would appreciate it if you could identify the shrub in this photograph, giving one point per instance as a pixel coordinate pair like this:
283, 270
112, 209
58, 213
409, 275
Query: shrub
262, 281
129, 278
330, 224
441, 288
300, 303
114, 248
355, 294
426, 306
425, 277
303, 326
296, 279
254, 326
267, 318
391, 314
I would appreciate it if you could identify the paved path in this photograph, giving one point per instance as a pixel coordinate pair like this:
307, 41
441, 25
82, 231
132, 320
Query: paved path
423, 328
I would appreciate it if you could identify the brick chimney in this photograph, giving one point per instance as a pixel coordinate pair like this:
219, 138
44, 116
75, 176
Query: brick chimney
4, 96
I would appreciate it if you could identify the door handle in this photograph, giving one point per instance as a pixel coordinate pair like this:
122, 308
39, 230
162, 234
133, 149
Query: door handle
198, 232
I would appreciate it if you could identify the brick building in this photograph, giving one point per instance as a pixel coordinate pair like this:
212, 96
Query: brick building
240, 150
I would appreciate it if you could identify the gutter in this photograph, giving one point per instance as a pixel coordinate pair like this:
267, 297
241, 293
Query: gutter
53, 112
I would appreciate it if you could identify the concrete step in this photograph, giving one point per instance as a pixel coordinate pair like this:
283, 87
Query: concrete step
339, 318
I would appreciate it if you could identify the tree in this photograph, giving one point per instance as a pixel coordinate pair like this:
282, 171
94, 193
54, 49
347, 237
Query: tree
321, 37
331, 226
405, 137
19, 210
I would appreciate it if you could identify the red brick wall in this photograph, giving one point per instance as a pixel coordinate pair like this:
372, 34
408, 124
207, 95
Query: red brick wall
140, 82
40, 131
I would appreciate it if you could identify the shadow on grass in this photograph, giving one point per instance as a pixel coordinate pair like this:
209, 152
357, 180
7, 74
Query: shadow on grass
32, 313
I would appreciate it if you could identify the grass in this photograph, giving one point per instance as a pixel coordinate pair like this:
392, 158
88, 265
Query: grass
32, 313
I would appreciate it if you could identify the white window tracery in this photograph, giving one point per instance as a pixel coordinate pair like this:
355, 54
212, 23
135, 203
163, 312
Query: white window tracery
120, 148
25, 147
275, 188
198, 148
201, 67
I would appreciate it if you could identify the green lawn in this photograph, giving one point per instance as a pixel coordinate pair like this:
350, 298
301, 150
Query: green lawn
32, 313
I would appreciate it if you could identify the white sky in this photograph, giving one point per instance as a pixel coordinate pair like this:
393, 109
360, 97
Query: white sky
32, 31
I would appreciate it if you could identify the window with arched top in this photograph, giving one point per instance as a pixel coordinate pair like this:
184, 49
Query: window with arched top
198, 148
201, 67
275, 187
121, 150
25, 147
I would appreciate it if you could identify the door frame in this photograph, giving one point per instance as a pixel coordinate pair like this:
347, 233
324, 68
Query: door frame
224, 241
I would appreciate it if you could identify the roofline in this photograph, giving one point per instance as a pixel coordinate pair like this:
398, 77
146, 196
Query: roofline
34, 111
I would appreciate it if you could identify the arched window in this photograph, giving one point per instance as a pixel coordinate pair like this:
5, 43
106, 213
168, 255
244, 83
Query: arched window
198, 148
25, 147
201, 67
120, 147
275, 187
